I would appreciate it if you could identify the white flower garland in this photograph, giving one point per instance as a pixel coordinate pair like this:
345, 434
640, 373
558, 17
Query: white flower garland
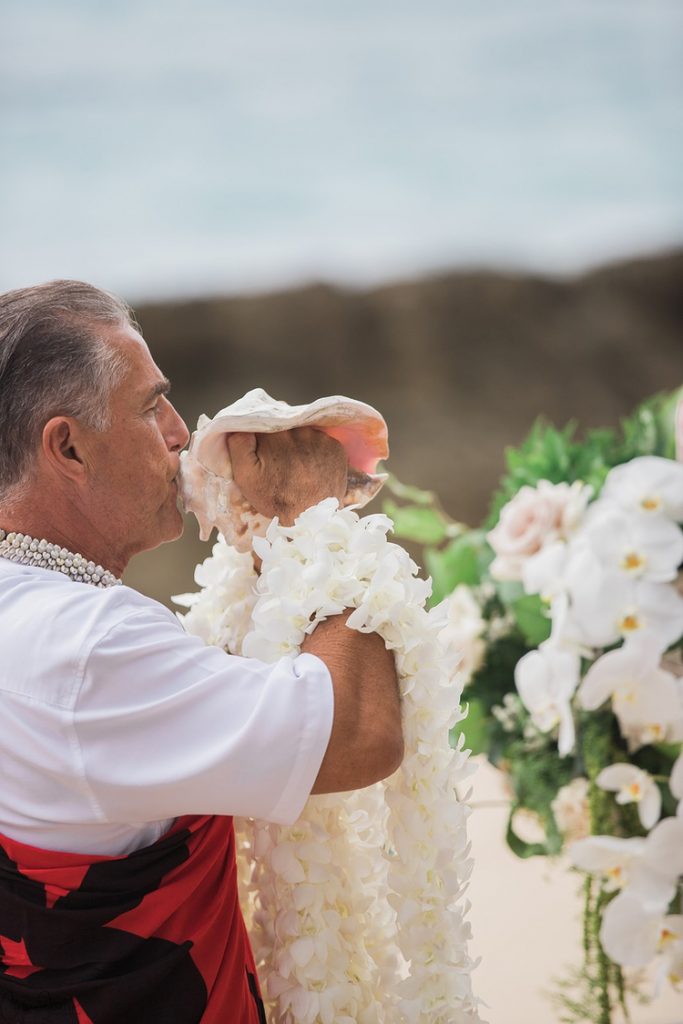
609, 573
356, 911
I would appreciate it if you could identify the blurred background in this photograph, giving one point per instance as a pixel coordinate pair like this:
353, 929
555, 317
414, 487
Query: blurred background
467, 214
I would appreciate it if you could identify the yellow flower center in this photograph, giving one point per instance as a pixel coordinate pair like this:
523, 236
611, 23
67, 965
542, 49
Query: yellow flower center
635, 790
632, 561
630, 623
651, 503
666, 937
615, 872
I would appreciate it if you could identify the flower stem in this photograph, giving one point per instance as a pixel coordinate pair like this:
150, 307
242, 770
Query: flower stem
587, 910
597, 754
604, 964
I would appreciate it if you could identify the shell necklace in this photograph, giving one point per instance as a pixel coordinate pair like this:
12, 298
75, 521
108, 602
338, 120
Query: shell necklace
25, 550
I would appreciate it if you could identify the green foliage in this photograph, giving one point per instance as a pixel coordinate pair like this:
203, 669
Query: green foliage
650, 430
531, 616
421, 524
521, 848
578, 997
410, 493
475, 727
488, 687
536, 776
558, 455
463, 560
546, 454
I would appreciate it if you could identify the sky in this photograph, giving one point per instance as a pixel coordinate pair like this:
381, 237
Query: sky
212, 146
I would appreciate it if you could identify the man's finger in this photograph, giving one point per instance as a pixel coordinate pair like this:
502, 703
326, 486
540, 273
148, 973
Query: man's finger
242, 447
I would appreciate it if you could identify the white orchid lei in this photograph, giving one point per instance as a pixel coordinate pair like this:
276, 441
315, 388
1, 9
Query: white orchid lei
356, 912
579, 689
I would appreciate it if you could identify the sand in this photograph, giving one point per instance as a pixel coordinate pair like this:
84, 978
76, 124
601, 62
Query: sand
526, 921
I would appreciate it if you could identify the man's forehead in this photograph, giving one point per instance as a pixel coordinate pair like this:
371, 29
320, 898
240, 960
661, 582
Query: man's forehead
143, 376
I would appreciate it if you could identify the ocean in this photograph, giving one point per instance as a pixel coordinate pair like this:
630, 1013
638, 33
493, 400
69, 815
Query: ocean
185, 148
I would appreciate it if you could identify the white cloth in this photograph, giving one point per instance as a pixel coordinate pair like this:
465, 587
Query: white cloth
113, 721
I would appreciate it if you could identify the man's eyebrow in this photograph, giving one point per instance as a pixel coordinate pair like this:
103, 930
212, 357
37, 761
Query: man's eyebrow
162, 387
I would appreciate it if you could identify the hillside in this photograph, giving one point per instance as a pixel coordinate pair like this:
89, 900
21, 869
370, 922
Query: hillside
459, 363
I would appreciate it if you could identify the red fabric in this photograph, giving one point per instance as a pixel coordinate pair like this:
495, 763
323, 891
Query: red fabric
155, 935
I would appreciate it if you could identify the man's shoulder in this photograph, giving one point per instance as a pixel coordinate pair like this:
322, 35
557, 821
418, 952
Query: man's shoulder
43, 588
50, 624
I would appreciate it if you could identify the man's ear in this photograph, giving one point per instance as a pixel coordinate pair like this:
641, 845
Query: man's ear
63, 448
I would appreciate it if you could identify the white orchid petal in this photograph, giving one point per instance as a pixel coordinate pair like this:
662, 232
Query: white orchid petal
648, 485
650, 807
676, 780
341, 930
567, 736
629, 933
655, 889
600, 854
601, 680
664, 849
617, 775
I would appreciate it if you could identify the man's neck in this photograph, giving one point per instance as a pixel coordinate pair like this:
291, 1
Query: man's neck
66, 526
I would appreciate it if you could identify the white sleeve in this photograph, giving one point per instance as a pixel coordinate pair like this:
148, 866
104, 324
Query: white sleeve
165, 726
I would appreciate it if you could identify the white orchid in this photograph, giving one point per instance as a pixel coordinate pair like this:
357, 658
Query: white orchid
676, 783
366, 887
670, 945
632, 933
648, 485
608, 606
636, 925
546, 680
646, 699
565, 632
544, 572
462, 628
608, 857
655, 878
632, 785
638, 546
648, 868
220, 613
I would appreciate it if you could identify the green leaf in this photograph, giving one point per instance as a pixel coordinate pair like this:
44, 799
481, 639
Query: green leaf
509, 591
475, 727
423, 525
408, 492
459, 562
670, 751
518, 846
530, 614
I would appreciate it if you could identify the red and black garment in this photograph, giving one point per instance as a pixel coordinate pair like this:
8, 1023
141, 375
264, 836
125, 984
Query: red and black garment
154, 936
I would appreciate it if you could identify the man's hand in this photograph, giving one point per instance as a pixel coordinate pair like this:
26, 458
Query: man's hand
284, 473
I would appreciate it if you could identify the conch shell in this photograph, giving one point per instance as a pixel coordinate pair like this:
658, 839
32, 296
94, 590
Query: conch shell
206, 485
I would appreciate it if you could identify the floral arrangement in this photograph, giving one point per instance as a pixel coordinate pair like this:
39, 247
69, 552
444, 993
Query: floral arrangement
356, 911
567, 607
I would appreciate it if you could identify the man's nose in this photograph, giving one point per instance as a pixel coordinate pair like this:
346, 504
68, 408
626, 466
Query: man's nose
179, 435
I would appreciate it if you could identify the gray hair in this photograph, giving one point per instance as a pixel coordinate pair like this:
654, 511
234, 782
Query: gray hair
53, 361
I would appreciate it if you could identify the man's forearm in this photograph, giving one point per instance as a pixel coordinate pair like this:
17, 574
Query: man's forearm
366, 743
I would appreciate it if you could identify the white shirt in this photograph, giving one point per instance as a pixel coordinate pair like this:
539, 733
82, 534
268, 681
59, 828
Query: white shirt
113, 721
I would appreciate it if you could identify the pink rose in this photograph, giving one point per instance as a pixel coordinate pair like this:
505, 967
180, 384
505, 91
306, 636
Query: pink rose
535, 517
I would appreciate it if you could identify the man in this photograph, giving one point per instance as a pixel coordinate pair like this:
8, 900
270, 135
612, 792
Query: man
125, 745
